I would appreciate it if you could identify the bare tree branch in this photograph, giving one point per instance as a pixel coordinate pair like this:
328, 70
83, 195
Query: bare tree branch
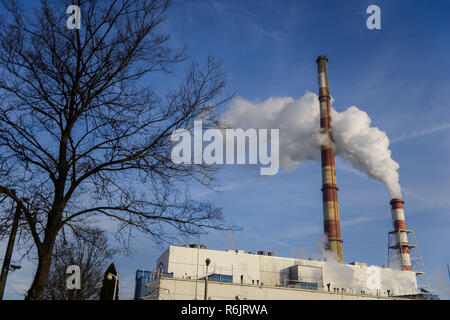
84, 135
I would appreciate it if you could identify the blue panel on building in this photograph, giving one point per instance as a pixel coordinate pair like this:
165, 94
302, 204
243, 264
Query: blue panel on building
144, 277
220, 278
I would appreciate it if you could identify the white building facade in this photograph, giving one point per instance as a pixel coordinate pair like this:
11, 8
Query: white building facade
181, 271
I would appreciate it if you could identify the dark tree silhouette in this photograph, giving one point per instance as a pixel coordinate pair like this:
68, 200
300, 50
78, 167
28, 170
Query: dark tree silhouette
83, 134
87, 248
109, 284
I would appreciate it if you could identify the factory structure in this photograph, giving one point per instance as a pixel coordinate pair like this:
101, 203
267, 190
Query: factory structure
182, 274
195, 272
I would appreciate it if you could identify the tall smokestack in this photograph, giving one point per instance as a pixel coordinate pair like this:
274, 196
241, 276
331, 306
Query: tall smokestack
331, 220
398, 218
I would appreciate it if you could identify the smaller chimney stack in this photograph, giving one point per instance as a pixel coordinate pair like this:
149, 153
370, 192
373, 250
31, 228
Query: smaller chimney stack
398, 218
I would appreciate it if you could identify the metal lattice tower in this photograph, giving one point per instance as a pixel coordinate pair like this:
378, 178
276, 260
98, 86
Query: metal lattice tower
395, 247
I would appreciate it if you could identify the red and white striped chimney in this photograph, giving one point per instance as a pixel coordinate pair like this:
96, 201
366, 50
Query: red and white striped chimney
398, 218
331, 219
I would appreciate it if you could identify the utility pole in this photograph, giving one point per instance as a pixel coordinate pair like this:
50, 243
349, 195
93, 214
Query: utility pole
9, 251
206, 278
196, 277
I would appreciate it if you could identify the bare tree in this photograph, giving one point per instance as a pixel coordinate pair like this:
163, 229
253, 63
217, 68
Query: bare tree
84, 136
87, 248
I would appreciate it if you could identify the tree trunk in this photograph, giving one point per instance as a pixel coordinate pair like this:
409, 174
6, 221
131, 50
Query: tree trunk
45, 251
40, 278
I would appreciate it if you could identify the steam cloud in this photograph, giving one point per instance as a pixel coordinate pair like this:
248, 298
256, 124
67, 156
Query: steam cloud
366, 148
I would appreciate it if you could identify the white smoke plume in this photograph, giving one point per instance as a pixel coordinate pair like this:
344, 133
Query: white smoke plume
366, 148
231, 238
370, 279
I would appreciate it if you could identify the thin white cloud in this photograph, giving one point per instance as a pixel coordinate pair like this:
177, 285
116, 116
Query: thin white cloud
434, 197
420, 133
232, 14
341, 165
358, 221
230, 186
216, 190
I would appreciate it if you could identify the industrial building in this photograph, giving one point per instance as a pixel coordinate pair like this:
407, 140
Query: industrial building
195, 272
235, 274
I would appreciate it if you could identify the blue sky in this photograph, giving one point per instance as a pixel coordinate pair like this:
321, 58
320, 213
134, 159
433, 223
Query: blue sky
398, 75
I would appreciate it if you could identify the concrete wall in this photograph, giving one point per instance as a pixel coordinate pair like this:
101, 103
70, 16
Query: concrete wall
182, 289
